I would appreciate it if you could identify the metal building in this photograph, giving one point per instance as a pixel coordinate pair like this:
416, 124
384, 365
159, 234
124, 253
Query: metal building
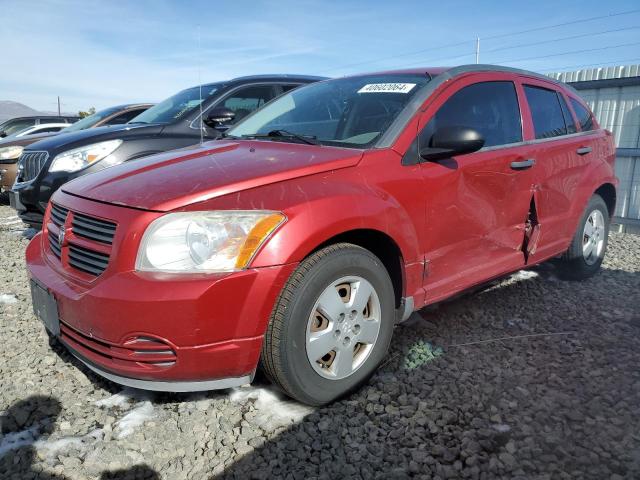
613, 93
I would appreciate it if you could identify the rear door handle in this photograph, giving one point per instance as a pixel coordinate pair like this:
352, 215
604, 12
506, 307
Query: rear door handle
583, 150
523, 164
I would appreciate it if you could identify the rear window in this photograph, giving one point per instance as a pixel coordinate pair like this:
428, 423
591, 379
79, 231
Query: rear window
584, 116
546, 112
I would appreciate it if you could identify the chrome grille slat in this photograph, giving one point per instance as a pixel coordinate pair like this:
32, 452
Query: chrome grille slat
30, 164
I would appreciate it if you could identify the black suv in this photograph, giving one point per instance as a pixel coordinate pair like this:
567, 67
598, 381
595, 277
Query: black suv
173, 123
16, 124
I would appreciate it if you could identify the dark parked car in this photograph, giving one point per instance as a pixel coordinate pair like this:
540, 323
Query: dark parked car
173, 123
11, 148
20, 123
299, 240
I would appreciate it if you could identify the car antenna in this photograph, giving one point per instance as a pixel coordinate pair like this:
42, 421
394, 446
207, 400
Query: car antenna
200, 85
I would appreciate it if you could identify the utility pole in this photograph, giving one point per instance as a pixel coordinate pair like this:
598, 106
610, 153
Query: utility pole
59, 103
477, 50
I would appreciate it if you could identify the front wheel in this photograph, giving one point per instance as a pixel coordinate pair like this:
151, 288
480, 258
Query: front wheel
331, 326
589, 245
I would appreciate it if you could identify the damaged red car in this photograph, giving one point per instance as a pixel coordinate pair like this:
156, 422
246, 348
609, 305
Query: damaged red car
300, 239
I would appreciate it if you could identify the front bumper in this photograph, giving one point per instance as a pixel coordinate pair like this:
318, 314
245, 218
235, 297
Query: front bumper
159, 331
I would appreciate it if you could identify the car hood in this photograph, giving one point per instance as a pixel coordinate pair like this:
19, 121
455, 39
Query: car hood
65, 141
26, 140
172, 180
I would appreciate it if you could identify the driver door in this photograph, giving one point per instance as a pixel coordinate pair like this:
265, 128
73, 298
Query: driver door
476, 205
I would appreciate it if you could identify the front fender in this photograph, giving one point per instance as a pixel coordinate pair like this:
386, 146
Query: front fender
319, 207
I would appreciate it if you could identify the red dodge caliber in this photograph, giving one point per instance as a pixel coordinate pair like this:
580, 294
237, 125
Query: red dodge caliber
318, 223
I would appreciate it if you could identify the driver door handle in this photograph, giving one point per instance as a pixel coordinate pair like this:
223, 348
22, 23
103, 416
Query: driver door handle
523, 164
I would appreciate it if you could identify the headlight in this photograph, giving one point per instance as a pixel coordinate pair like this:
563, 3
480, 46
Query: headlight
78, 158
9, 153
216, 241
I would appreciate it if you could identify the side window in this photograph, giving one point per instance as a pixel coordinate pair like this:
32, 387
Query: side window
568, 119
124, 117
546, 112
51, 120
584, 116
46, 130
246, 100
286, 88
491, 108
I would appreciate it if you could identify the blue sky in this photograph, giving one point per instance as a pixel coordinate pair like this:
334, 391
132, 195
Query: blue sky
100, 53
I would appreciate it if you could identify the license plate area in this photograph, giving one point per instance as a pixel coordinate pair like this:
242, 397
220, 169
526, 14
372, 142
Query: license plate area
46, 308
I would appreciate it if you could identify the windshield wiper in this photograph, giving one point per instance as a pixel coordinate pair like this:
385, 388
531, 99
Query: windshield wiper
308, 139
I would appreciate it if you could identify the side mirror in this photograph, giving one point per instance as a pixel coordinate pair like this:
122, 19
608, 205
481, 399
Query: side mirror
219, 116
447, 142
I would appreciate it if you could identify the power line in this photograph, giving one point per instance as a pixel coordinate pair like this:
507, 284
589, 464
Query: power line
612, 62
457, 44
569, 53
572, 37
573, 22
417, 52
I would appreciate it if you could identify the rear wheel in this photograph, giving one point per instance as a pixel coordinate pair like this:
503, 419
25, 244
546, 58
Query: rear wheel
331, 326
589, 245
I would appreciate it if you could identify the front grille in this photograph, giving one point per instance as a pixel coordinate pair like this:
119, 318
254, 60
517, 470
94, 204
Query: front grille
87, 260
93, 228
86, 247
30, 164
58, 214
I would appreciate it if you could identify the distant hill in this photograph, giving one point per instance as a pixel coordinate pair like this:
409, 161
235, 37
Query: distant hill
9, 109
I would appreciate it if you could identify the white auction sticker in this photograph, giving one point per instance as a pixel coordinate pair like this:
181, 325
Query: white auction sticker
387, 88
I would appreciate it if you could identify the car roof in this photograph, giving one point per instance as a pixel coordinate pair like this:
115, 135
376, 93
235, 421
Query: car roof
275, 77
127, 106
27, 117
469, 68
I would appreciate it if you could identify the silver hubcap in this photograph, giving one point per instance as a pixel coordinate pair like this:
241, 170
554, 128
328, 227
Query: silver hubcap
593, 237
343, 327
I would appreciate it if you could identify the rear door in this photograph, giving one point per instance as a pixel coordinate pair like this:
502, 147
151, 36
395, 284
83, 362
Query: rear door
476, 204
561, 154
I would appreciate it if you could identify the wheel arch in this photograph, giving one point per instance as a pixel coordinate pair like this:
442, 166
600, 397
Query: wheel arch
608, 193
382, 246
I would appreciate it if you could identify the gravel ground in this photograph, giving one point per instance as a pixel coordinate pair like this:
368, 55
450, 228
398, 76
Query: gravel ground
530, 378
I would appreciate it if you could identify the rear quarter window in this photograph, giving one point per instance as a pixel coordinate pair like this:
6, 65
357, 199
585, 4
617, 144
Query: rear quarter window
585, 119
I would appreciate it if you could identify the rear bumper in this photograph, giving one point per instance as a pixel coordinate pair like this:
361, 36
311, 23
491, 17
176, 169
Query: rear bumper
164, 332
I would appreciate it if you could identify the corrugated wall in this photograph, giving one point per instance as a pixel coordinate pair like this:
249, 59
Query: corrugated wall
617, 108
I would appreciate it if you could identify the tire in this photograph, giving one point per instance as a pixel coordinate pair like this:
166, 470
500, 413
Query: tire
331, 284
586, 251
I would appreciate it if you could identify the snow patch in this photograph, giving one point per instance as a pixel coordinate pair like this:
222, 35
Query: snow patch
7, 298
48, 447
525, 275
124, 399
135, 418
13, 440
270, 404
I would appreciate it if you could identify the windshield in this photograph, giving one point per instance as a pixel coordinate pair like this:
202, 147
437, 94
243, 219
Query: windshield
91, 120
176, 107
350, 112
